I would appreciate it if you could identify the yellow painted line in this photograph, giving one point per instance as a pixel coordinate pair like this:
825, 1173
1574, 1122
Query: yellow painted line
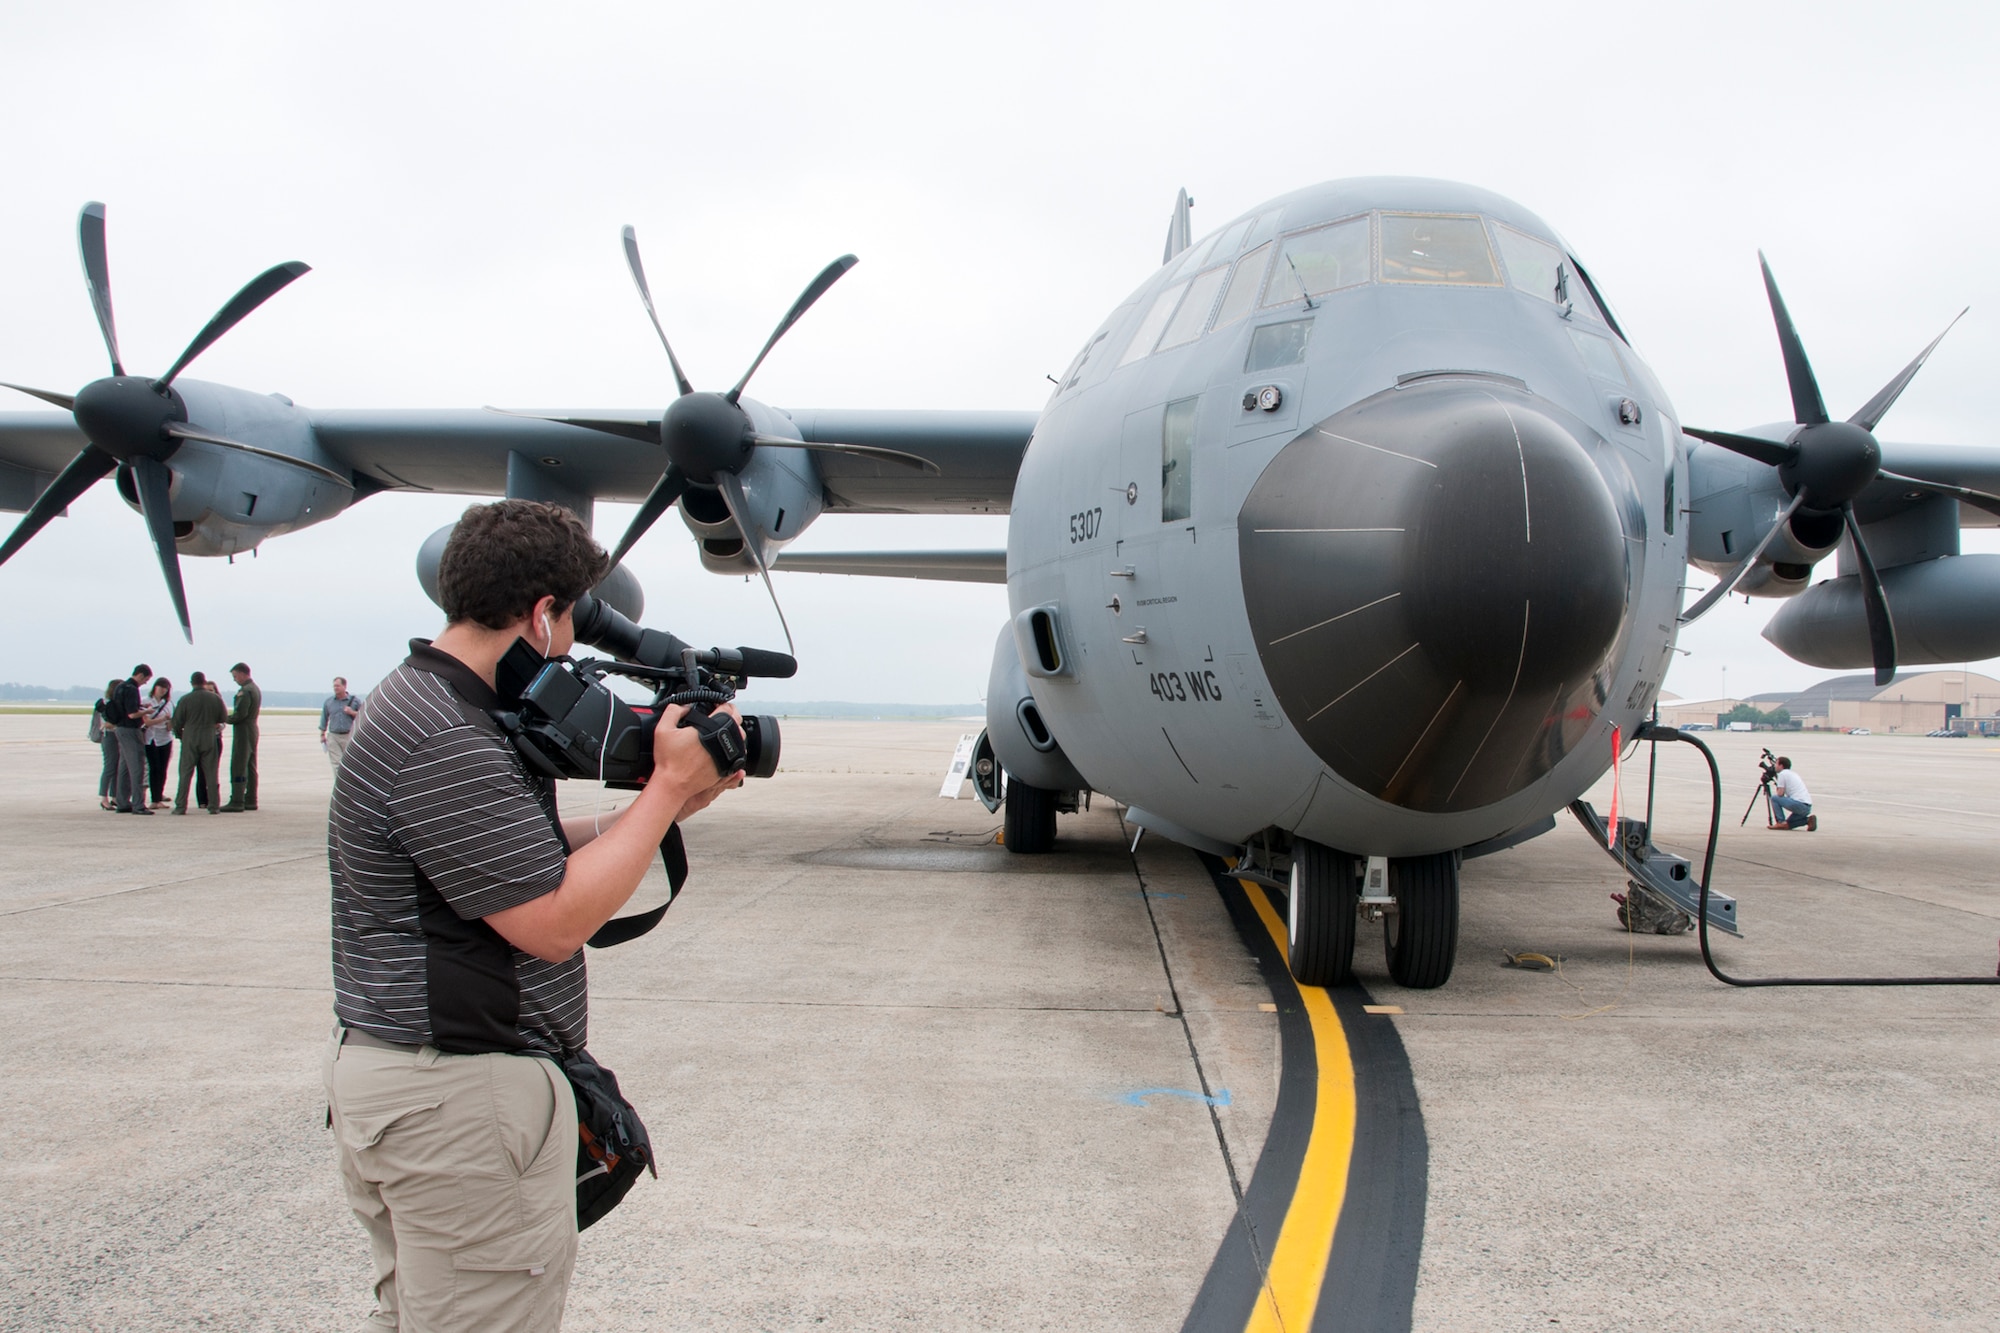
1305, 1242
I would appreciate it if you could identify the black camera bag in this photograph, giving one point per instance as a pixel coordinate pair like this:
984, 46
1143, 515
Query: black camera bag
612, 1148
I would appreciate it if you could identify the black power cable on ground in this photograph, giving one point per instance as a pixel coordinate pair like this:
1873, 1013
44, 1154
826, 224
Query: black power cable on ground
1653, 731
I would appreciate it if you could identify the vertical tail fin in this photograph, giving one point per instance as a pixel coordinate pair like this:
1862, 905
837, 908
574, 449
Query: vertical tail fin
1180, 231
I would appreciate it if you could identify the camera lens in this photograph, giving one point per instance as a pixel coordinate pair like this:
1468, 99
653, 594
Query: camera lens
760, 739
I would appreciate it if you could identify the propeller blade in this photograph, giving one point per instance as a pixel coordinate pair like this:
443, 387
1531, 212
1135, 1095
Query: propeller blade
181, 430
97, 275
646, 295
1977, 499
659, 500
152, 479
1764, 451
83, 472
1878, 406
62, 400
814, 290
255, 292
731, 487
1881, 630
1735, 576
858, 450
1808, 408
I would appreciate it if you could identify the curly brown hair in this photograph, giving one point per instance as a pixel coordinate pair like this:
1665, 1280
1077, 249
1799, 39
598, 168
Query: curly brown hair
504, 557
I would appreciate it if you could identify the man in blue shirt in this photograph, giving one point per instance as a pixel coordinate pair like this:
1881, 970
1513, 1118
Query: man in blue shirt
336, 721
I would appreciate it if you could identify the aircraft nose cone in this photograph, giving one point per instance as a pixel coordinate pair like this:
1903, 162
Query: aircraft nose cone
1435, 578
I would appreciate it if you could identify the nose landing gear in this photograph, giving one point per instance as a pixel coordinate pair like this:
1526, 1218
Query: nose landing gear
1324, 903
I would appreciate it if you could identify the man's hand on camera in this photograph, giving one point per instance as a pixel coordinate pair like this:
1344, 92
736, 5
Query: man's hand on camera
601, 874
698, 802
679, 757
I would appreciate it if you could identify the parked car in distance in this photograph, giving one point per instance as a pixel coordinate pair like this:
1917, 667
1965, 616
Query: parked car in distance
1698, 726
1859, 731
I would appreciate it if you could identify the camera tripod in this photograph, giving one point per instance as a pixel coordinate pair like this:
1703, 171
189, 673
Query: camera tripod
1770, 772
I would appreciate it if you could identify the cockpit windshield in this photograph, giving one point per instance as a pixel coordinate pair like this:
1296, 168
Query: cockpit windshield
1426, 247
1322, 258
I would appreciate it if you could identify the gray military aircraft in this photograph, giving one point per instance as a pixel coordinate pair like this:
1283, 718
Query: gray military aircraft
1347, 545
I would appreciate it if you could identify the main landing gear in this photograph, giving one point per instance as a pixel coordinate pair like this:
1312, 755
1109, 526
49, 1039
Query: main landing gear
1420, 925
1031, 817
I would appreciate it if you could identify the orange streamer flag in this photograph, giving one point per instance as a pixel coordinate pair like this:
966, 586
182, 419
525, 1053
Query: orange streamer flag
1617, 790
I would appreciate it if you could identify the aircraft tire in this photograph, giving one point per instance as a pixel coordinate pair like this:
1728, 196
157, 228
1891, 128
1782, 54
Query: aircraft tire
1422, 933
1030, 816
1320, 915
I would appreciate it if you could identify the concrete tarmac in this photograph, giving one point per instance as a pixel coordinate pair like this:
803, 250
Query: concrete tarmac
902, 1078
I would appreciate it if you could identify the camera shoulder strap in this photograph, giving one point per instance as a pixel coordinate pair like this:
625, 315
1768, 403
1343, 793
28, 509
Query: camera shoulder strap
621, 929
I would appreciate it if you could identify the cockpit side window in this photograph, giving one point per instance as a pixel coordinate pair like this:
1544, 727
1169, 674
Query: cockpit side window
1177, 461
1227, 244
1533, 266
1193, 315
1243, 287
1075, 371
1432, 248
1590, 297
1323, 260
1155, 320
1195, 255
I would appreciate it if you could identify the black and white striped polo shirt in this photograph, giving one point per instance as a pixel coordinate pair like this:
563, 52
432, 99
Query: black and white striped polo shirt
436, 824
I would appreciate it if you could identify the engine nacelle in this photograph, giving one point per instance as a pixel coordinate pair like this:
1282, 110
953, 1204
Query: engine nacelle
1733, 500
227, 501
782, 494
1015, 728
620, 587
1945, 610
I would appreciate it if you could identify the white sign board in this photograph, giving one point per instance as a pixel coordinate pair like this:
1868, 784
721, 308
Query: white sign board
961, 760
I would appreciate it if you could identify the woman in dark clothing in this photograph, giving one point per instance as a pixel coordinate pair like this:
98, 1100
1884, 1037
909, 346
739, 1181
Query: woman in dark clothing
107, 781
159, 729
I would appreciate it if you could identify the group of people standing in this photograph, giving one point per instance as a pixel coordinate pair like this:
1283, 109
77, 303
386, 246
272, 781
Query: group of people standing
138, 721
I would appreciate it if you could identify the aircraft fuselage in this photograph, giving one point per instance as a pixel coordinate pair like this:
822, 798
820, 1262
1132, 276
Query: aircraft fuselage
1357, 519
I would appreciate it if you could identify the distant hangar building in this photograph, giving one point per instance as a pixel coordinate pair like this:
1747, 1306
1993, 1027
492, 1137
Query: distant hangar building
1913, 703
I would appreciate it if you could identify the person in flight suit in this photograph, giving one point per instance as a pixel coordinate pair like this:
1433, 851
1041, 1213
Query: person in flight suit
198, 727
242, 721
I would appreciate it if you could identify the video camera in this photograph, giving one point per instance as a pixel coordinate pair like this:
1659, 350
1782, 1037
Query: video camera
1768, 765
568, 724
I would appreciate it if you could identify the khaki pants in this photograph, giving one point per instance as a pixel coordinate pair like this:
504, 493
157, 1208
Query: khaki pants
336, 747
203, 759
462, 1170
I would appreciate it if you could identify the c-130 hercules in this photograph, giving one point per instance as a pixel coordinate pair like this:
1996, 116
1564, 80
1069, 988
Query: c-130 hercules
1346, 544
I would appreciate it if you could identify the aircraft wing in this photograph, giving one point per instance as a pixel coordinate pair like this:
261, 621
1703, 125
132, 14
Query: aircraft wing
945, 566
977, 453
1970, 466
34, 447
468, 451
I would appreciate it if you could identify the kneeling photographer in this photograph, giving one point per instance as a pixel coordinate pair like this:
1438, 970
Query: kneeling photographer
1791, 803
461, 905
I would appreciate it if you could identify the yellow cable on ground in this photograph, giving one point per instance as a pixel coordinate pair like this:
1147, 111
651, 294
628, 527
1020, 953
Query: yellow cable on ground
1299, 1259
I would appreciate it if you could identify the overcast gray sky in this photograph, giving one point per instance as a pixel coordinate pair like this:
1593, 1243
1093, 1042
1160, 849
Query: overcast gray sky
457, 174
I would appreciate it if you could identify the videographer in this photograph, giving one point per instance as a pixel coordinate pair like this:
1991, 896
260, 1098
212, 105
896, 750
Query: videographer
460, 909
1790, 801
